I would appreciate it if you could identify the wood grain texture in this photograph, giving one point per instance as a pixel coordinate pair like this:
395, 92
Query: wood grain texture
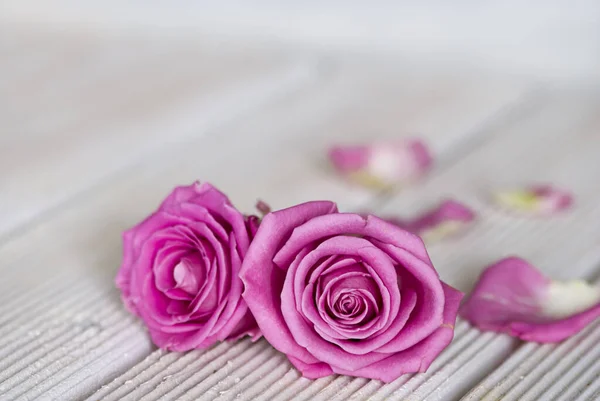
95, 106
96, 134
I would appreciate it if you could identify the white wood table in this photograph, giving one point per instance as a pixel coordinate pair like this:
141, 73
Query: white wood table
95, 130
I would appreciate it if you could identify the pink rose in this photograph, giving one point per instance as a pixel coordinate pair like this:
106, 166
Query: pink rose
342, 293
180, 270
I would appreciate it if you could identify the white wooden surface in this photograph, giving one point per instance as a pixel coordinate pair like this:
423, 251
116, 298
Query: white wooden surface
96, 129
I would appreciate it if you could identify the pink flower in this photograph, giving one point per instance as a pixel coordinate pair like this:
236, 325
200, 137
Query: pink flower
447, 219
342, 293
513, 297
382, 164
180, 269
537, 200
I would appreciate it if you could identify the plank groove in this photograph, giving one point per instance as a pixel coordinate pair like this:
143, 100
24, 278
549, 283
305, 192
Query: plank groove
254, 125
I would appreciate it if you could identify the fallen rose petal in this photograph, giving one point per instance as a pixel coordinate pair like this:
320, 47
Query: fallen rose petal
537, 200
382, 165
513, 297
447, 219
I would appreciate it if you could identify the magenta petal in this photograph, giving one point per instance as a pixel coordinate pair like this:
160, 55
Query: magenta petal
382, 164
236, 308
446, 219
349, 158
377, 264
347, 224
181, 194
419, 357
556, 331
311, 370
513, 297
304, 335
262, 278
123, 278
245, 327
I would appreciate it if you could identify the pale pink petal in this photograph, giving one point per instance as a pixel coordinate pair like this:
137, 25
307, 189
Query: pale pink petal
382, 164
513, 297
447, 219
536, 200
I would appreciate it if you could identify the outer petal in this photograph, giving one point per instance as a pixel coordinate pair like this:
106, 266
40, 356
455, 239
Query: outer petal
349, 223
181, 194
513, 297
311, 370
123, 278
263, 280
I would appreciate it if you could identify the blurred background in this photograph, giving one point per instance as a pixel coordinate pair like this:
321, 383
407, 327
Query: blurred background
553, 37
105, 106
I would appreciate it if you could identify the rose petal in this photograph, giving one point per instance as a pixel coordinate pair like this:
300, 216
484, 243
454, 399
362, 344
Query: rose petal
382, 164
377, 264
448, 218
202, 202
236, 307
331, 326
123, 277
165, 261
348, 224
311, 370
304, 335
182, 194
420, 356
428, 311
513, 297
536, 200
306, 298
188, 274
128, 279
262, 278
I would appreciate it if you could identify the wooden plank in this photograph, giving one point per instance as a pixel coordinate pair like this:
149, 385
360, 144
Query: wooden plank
558, 144
275, 154
109, 104
565, 371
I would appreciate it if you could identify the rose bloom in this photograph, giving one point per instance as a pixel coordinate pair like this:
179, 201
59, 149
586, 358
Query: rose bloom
180, 270
343, 293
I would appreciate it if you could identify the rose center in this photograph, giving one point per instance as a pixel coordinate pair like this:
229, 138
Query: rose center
186, 275
349, 305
